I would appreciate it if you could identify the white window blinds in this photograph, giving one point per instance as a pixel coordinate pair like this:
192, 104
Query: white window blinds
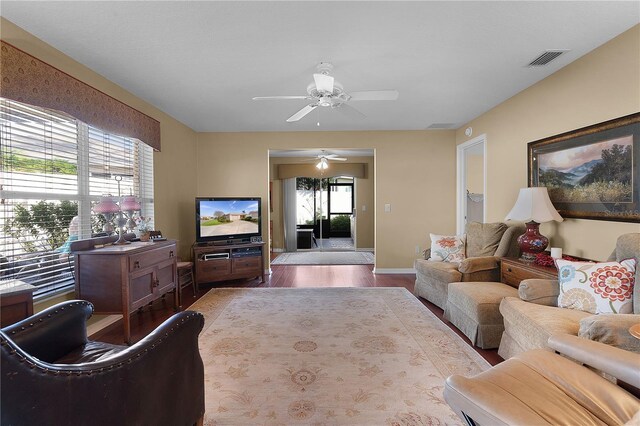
53, 168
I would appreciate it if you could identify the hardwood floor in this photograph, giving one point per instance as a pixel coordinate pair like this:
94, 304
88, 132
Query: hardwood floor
142, 323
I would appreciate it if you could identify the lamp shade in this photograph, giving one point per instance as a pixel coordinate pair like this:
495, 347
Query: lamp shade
534, 204
129, 204
106, 205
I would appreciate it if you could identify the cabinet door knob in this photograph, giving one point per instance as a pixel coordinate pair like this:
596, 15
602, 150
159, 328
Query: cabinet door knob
171, 253
136, 264
509, 270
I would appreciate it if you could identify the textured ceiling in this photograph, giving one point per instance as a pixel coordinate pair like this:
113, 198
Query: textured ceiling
202, 62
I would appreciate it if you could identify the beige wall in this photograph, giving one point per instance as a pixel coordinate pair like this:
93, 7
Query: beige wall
173, 167
414, 172
364, 196
601, 85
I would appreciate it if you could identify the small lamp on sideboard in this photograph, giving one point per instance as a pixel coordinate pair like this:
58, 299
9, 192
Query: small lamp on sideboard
534, 207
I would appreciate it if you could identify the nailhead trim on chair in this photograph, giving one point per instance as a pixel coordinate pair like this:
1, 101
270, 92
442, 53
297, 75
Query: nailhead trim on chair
80, 302
56, 372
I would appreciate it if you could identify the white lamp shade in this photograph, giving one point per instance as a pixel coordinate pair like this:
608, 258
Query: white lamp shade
534, 204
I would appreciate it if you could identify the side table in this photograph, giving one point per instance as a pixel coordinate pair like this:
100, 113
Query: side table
16, 301
513, 270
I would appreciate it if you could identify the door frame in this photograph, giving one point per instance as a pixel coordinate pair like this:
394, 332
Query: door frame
461, 179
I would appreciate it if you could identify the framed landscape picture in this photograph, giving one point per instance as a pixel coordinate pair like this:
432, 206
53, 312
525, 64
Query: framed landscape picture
591, 173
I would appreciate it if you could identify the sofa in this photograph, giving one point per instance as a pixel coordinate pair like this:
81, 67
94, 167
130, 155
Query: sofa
542, 388
486, 244
533, 316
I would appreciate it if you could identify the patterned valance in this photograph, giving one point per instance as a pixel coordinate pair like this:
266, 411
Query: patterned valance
356, 170
29, 80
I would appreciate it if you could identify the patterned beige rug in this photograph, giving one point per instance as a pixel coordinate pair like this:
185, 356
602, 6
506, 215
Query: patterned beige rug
334, 356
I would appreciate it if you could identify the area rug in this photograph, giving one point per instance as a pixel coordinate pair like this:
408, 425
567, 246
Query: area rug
338, 356
324, 258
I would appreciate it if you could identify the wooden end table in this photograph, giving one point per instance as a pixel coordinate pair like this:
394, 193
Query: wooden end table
16, 301
513, 270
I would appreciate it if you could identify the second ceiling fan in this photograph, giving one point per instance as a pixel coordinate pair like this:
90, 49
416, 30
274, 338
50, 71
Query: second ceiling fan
325, 91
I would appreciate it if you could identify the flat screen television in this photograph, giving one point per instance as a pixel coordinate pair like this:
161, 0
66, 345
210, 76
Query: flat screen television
230, 219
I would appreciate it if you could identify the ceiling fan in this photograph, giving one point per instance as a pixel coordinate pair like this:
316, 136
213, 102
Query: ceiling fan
324, 158
325, 91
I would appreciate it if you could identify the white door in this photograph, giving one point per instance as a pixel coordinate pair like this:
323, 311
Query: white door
471, 182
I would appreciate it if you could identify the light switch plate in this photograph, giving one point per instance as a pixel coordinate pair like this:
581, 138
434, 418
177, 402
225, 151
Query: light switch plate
387, 208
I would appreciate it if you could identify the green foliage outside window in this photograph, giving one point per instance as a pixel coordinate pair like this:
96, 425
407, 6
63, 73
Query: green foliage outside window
21, 163
44, 226
340, 223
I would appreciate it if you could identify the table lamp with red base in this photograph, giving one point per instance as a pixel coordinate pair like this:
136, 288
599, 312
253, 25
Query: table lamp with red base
534, 207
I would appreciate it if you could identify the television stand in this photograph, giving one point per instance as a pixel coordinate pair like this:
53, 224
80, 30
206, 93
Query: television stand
214, 263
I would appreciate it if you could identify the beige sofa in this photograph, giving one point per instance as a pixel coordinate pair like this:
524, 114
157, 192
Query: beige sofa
532, 317
486, 244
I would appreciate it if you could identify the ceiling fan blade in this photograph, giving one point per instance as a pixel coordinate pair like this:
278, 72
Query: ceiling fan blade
304, 111
266, 98
337, 159
374, 95
324, 83
349, 111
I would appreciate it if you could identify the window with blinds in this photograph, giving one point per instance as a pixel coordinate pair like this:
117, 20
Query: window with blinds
53, 169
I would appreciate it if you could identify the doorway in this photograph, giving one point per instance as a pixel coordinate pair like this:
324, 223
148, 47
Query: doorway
325, 208
471, 182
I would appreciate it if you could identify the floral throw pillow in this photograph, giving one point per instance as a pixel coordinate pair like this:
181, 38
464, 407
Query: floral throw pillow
598, 288
447, 248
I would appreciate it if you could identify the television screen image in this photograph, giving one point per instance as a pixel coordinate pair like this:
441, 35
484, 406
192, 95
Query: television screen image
221, 218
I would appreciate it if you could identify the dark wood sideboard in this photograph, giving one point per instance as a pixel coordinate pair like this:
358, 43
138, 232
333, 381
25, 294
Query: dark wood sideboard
118, 279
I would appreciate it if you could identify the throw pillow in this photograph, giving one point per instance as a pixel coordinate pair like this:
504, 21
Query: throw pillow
483, 239
446, 248
598, 288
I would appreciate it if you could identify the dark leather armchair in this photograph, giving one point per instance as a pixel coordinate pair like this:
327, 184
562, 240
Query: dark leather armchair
52, 375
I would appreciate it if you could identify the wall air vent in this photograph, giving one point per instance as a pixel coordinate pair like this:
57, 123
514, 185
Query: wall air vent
442, 126
546, 57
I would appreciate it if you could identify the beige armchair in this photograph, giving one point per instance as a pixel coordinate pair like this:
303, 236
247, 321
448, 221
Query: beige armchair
532, 317
540, 387
486, 244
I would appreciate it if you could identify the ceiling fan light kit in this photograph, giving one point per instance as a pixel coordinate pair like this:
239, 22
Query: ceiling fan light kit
322, 164
325, 91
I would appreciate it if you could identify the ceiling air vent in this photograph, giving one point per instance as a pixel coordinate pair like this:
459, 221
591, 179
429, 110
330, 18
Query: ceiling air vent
546, 57
442, 126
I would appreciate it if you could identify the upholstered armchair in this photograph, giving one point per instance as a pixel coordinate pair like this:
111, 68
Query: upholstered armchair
532, 317
53, 375
540, 387
486, 244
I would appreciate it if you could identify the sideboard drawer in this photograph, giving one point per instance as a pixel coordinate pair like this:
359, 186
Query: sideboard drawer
152, 257
219, 266
247, 264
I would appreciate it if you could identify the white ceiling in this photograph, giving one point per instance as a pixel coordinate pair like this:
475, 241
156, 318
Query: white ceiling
298, 153
202, 62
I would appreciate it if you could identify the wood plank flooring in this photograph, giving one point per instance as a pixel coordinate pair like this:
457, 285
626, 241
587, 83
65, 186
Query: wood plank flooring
142, 323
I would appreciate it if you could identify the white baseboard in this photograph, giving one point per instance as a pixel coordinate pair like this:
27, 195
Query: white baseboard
366, 249
277, 250
390, 271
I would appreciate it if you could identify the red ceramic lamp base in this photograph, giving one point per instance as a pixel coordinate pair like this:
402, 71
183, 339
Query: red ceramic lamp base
532, 242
